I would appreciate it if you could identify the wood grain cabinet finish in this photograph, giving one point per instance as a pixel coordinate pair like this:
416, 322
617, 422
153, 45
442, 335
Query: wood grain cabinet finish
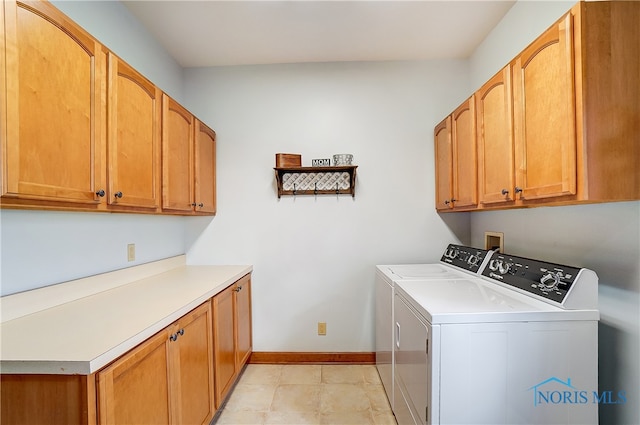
177, 156
464, 165
560, 124
496, 175
134, 113
188, 158
544, 115
82, 130
168, 379
456, 163
444, 161
231, 335
205, 169
52, 116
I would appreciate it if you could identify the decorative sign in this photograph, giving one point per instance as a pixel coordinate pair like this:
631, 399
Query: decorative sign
325, 162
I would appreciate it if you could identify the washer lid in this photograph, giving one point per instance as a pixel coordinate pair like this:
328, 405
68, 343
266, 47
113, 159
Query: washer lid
425, 271
477, 301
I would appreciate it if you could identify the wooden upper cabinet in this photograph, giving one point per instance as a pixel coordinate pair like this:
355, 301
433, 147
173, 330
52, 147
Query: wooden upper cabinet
495, 139
444, 161
177, 157
205, 169
608, 106
51, 141
456, 163
134, 111
544, 115
465, 165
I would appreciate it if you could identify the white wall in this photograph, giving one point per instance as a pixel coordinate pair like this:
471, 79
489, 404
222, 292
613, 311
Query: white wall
604, 237
314, 257
42, 248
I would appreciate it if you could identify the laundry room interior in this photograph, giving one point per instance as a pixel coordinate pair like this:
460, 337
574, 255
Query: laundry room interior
314, 258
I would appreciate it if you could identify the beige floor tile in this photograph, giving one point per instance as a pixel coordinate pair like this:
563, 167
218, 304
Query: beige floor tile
347, 418
251, 397
292, 418
308, 394
261, 374
377, 397
342, 374
384, 418
296, 398
371, 375
230, 417
301, 374
343, 398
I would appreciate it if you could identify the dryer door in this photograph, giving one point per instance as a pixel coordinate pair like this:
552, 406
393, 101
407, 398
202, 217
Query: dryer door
412, 360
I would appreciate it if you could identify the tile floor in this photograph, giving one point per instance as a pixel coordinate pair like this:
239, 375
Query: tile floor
308, 394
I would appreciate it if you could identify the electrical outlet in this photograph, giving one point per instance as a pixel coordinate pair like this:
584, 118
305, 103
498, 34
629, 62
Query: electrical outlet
131, 252
322, 328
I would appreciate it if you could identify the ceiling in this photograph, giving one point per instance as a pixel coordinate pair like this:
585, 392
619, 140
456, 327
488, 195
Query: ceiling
240, 32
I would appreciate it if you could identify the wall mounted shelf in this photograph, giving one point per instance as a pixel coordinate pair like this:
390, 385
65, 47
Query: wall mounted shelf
337, 180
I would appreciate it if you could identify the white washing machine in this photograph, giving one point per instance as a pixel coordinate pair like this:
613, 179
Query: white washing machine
518, 346
456, 262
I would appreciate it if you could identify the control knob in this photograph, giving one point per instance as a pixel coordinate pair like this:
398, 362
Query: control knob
550, 281
473, 260
493, 265
503, 267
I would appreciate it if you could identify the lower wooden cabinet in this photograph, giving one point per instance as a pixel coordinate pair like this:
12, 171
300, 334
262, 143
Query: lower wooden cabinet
167, 379
178, 376
231, 334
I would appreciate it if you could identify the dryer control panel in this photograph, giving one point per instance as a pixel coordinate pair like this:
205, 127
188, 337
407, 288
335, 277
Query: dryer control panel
550, 281
465, 257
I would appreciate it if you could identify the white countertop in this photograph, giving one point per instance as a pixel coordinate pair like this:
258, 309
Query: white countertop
83, 335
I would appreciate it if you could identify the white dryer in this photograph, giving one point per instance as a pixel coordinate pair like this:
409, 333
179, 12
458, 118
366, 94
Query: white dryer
457, 262
518, 346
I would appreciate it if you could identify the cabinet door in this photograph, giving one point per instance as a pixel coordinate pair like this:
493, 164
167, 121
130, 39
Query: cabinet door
224, 342
205, 169
135, 389
444, 161
52, 118
134, 137
544, 115
192, 368
243, 321
495, 139
465, 165
177, 154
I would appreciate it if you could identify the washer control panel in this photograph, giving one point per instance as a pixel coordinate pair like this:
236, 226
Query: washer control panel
464, 257
547, 280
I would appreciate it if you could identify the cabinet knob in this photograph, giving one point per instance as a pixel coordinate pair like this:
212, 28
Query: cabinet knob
100, 193
518, 189
238, 289
505, 192
118, 194
200, 205
193, 204
173, 337
446, 202
181, 332
453, 200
